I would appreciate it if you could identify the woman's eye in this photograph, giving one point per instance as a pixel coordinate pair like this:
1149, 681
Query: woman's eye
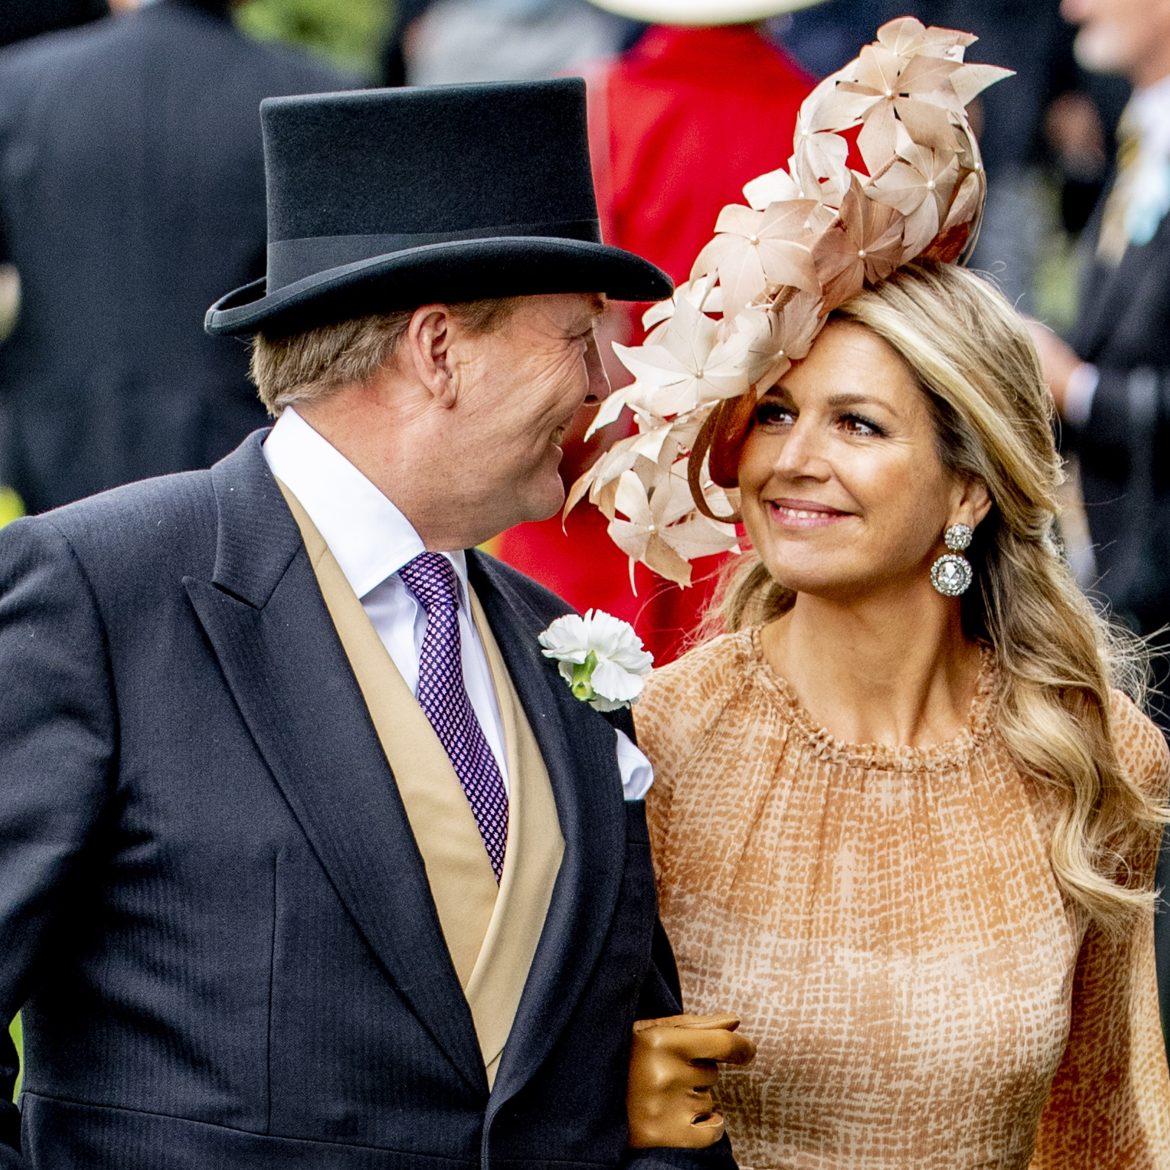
772, 414
858, 424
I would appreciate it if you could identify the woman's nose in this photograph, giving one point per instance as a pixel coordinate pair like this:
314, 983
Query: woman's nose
801, 453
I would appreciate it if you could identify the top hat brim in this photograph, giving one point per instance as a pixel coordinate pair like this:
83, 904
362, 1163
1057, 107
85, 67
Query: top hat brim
450, 272
701, 12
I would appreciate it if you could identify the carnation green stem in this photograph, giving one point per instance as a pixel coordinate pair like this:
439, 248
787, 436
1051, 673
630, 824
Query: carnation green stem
581, 683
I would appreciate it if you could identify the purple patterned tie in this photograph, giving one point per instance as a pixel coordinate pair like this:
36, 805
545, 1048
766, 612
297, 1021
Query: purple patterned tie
443, 698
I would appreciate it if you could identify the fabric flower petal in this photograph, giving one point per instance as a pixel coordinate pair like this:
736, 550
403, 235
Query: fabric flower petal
807, 238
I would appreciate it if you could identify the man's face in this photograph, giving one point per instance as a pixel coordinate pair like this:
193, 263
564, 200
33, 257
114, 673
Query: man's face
1119, 36
521, 384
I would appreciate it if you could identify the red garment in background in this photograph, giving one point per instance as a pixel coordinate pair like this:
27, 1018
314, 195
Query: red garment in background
693, 114
677, 125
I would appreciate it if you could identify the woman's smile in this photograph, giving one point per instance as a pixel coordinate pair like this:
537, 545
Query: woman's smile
804, 513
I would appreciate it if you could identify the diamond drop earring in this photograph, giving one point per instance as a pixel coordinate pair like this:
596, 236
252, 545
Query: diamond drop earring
951, 574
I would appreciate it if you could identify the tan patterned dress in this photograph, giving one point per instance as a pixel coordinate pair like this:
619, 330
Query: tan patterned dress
886, 922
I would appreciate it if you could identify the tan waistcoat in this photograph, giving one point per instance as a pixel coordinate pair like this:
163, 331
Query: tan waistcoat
490, 932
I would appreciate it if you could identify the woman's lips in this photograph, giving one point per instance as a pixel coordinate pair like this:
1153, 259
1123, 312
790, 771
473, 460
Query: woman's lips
804, 513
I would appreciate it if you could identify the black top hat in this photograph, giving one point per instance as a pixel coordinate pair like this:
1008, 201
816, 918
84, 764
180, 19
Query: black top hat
386, 199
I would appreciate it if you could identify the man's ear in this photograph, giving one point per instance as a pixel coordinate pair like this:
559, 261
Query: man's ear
426, 346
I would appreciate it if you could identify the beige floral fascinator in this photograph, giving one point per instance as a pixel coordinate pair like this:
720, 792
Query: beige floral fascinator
808, 238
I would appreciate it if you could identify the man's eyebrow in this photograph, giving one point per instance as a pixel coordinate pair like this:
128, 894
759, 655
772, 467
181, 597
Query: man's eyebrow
596, 311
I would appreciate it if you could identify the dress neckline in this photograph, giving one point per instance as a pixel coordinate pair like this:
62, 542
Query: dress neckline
942, 756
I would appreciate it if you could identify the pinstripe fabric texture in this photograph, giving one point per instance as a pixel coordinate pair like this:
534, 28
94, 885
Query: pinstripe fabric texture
887, 924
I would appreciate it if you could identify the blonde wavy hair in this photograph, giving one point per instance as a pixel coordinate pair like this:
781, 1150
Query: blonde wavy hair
1057, 656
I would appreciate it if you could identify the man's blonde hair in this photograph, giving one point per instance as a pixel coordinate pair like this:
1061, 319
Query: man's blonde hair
306, 366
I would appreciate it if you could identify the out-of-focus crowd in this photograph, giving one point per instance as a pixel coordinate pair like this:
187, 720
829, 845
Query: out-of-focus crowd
131, 192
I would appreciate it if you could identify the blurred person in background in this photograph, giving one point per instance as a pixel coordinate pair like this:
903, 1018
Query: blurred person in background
700, 104
1021, 218
1040, 135
20, 20
703, 85
826, 36
131, 192
438, 42
392, 57
1111, 380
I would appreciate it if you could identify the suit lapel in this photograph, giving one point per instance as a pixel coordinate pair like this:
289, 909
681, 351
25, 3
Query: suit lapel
268, 625
578, 750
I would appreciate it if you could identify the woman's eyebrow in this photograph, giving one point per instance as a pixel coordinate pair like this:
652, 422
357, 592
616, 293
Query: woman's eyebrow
853, 399
846, 398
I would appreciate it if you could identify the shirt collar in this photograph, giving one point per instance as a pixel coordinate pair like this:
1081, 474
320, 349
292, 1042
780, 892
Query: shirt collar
1150, 110
367, 534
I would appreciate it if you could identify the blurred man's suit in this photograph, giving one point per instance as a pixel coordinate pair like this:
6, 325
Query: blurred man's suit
131, 195
1123, 328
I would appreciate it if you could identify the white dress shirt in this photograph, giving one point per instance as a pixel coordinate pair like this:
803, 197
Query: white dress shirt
1149, 111
371, 540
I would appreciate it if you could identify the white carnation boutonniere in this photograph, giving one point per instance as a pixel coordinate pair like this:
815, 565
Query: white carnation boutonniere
600, 657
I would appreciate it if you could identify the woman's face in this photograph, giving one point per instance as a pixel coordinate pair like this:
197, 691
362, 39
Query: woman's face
843, 491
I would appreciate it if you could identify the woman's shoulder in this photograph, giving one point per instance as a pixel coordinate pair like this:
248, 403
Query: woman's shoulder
1141, 746
686, 695
709, 664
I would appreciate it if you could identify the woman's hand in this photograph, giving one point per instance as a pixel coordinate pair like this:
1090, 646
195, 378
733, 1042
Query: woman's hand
673, 1066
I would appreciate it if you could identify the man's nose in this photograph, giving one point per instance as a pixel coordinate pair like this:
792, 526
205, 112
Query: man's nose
599, 386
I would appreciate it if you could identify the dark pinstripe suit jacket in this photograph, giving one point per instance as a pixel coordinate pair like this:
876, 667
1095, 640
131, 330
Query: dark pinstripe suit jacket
212, 910
1123, 327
